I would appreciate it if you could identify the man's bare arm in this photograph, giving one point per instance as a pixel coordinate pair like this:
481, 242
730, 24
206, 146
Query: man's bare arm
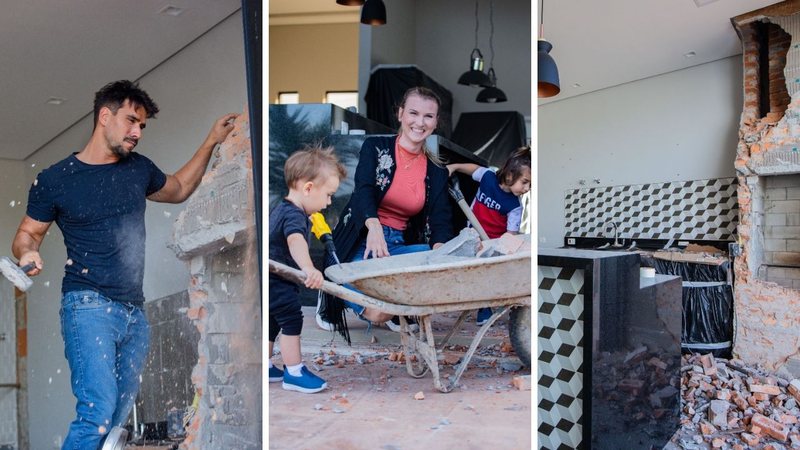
181, 185
27, 241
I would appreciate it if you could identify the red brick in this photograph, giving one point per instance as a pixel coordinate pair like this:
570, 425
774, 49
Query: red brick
765, 389
709, 364
771, 427
750, 439
706, 428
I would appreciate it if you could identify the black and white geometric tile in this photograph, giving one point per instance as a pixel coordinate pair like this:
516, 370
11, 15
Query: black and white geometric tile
696, 210
560, 358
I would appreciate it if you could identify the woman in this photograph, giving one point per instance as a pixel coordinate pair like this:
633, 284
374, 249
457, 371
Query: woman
399, 203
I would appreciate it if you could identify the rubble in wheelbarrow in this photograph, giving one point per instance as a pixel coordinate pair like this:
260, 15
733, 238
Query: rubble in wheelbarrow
728, 404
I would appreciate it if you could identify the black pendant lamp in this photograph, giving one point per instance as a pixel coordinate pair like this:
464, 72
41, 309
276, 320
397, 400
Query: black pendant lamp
350, 2
491, 94
549, 85
475, 76
373, 12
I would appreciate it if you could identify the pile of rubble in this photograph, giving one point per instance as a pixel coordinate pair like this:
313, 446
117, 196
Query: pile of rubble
635, 395
726, 404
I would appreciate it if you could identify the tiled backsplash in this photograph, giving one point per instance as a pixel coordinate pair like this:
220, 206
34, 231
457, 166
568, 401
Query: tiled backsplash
691, 210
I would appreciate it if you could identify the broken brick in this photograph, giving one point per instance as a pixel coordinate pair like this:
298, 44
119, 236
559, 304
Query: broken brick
750, 439
724, 394
718, 412
707, 429
771, 427
709, 364
765, 389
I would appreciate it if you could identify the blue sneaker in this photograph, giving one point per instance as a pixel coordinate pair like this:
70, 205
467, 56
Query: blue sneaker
307, 382
275, 374
483, 315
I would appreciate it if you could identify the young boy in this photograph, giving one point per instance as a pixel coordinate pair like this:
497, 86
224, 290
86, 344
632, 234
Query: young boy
312, 176
496, 205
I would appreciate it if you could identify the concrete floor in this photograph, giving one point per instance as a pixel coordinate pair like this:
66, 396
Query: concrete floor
370, 402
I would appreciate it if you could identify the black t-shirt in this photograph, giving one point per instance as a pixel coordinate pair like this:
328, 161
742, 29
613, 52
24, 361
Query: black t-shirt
284, 220
100, 211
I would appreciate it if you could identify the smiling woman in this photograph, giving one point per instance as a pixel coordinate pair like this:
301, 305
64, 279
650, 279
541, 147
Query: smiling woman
399, 204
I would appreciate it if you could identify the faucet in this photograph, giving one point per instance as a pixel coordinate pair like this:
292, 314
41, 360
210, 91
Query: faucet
616, 233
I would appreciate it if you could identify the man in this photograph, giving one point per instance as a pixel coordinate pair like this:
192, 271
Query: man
97, 198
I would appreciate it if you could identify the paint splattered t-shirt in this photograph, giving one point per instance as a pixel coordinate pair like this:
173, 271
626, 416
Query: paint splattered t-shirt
100, 211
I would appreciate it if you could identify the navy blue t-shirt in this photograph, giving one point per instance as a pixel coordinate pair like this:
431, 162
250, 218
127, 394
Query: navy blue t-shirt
284, 220
100, 211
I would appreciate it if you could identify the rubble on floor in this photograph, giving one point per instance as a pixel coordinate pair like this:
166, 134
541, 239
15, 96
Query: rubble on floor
729, 405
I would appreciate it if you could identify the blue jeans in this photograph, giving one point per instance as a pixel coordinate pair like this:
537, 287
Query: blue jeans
396, 245
105, 343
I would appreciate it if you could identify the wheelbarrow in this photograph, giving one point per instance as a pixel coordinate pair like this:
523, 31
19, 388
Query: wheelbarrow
438, 281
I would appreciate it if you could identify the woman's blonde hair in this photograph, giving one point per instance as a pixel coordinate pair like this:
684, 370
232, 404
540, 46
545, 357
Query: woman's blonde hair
426, 94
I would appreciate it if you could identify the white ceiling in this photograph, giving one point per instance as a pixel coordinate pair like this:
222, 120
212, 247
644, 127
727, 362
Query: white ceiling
69, 49
602, 43
599, 44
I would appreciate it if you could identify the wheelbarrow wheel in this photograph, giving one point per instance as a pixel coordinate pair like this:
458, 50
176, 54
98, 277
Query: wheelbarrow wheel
519, 329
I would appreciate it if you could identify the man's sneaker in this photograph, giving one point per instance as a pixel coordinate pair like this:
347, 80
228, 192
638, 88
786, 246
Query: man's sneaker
327, 326
275, 374
394, 324
483, 315
307, 382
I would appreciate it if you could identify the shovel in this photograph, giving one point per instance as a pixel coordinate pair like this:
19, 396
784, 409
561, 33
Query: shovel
15, 274
455, 191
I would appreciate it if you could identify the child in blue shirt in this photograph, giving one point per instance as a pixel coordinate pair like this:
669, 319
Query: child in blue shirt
312, 176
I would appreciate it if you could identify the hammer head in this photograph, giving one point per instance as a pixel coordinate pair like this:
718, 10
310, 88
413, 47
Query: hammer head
15, 274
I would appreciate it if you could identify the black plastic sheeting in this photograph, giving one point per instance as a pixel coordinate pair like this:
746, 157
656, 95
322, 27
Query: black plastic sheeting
707, 310
491, 135
385, 92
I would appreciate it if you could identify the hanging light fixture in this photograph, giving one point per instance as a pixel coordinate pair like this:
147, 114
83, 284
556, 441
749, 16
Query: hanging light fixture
350, 2
491, 94
373, 12
548, 71
475, 76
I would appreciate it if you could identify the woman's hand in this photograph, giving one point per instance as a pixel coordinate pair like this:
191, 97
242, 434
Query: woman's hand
376, 243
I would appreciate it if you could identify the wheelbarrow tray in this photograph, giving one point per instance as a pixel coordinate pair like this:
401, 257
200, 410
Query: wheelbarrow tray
433, 278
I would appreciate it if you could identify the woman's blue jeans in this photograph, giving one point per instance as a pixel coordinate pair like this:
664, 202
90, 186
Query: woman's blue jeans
397, 246
105, 343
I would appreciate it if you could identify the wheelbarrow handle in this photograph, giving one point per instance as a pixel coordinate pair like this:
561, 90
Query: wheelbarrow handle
455, 192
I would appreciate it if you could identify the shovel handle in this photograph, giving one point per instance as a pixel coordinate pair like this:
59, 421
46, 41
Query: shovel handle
455, 192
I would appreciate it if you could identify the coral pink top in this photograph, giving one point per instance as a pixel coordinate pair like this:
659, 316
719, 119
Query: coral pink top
406, 195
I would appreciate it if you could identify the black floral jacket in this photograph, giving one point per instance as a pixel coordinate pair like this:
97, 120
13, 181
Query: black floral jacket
374, 174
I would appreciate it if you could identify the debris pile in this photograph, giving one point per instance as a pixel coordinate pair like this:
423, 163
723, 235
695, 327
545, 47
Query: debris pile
635, 394
726, 404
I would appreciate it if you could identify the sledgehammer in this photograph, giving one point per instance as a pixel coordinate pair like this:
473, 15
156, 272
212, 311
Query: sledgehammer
16, 274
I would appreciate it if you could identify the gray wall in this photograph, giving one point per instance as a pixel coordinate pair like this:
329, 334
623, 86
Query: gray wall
679, 126
192, 88
438, 36
14, 187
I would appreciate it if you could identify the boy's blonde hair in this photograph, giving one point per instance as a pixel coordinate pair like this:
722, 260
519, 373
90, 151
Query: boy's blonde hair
515, 166
312, 163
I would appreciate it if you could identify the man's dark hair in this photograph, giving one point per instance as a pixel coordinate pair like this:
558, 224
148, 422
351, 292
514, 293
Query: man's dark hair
114, 94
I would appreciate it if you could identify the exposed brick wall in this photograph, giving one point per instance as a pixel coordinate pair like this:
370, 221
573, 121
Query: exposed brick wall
767, 274
216, 235
779, 42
